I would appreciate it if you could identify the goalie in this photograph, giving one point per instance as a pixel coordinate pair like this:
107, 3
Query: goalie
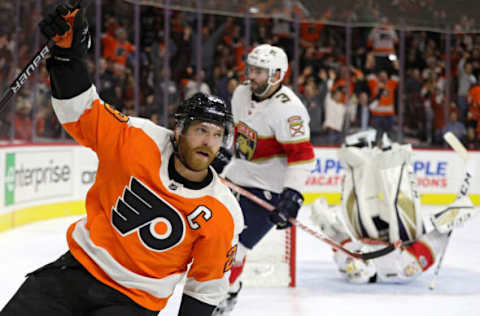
380, 205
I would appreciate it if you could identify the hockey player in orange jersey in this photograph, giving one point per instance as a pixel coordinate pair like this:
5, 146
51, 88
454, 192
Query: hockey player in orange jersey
157, 213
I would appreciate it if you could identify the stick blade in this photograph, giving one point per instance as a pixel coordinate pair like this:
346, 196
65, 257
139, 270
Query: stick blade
456, 145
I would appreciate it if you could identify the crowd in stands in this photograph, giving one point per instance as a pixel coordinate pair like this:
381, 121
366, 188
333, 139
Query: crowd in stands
335, 106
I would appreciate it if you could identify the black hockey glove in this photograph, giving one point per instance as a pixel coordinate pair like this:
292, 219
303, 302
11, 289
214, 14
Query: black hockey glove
68, 28
221, 160
288, 206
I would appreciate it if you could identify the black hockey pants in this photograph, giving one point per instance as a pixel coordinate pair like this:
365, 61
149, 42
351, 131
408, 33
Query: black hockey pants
65, 288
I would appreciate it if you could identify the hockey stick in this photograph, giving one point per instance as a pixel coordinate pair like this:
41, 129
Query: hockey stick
457, 146
293, 221
31, 67
19, 82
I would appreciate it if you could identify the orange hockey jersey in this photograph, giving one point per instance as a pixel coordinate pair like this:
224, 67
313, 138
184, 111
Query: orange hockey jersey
385, 106
144, 232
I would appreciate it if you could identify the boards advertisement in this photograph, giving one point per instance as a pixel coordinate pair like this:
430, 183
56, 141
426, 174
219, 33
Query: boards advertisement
55, 176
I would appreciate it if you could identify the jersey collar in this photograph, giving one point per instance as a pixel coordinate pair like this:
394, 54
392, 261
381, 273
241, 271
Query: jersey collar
175, 176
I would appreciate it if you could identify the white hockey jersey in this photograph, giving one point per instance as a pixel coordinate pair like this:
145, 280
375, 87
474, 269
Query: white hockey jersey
272, 141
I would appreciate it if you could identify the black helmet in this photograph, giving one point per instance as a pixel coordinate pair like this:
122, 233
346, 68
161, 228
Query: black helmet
208, 108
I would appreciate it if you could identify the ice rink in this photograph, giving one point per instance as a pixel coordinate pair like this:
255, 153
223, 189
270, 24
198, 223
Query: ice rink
319, 291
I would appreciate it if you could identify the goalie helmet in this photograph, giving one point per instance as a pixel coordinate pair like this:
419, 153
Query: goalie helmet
207, 108
272, 58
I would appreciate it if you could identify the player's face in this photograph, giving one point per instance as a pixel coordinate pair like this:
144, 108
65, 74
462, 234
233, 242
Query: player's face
258, 79
200, 143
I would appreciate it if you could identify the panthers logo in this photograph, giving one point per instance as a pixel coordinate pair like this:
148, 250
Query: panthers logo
245, 141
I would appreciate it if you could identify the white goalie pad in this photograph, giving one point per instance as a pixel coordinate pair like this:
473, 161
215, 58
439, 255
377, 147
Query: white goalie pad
454, 215
380, 186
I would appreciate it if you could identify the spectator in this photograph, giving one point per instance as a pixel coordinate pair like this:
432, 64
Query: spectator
192, 86
117, 48
473, 114
109, 88
382, 104
335, 112
434, 102
382, 39
23, 119
210, 36
311, 99
364, 111
414, 106
183, 57
6, 60
47, 125
466, 80
455, 126
471, 139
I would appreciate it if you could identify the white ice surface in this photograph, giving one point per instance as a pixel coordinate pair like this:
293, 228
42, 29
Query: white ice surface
319, 292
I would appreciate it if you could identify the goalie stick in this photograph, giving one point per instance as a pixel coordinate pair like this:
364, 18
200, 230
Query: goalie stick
31, 67
457, 146
363, 256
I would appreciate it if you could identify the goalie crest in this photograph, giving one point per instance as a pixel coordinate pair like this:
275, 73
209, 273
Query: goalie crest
379, 196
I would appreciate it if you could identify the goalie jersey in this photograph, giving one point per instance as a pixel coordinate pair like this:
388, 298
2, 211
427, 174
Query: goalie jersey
272, 141
144, 231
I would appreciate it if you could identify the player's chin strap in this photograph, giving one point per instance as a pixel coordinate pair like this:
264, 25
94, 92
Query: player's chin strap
363, 256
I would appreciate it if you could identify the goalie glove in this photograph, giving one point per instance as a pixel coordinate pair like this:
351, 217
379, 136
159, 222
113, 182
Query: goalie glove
455, 215
288, 206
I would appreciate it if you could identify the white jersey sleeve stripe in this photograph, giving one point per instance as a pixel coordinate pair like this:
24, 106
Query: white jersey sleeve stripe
70, 110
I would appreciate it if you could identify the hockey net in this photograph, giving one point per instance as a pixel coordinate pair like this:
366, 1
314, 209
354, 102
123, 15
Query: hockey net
272, 261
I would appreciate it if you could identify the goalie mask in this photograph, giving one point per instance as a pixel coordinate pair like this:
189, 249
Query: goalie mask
202, 107
272, 58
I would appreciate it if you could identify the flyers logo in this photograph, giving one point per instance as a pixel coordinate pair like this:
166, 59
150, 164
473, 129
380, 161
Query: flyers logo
230, 258
116, 113
159, 226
